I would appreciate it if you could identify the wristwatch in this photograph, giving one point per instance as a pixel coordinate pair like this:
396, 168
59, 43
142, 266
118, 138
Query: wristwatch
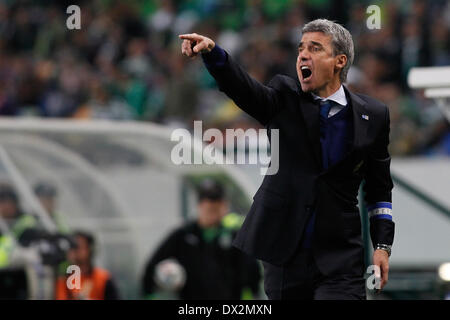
384, 247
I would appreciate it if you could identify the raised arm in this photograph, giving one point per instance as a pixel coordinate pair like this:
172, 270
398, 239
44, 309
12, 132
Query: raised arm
258, 100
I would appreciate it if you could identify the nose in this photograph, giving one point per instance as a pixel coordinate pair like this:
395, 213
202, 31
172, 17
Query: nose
303, 55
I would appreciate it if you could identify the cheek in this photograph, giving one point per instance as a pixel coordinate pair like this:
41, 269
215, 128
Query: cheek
326, 70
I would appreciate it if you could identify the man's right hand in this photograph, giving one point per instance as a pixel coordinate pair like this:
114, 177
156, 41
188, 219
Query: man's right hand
193, 44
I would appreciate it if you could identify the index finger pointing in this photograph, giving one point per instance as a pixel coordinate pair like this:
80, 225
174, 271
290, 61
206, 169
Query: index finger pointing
190, 36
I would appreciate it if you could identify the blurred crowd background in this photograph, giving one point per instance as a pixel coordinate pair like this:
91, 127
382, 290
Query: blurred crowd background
125, 62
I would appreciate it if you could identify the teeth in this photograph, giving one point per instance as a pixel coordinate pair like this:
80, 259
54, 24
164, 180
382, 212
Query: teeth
304, 68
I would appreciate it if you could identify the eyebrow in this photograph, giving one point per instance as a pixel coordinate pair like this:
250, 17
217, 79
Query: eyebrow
313, 42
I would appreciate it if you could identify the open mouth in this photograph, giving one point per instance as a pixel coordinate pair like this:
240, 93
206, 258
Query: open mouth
306, 72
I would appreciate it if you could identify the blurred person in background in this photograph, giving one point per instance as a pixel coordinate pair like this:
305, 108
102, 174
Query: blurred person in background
17, 230
24, 227
212, 268
10, 232
95, 283
48, 196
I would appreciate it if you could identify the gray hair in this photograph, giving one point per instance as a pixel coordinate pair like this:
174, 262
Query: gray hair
341, 40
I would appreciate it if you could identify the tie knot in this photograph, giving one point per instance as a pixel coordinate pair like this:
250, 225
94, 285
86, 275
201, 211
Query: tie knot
325, 107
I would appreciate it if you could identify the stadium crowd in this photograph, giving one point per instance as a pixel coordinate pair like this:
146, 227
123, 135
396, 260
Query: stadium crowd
124, 62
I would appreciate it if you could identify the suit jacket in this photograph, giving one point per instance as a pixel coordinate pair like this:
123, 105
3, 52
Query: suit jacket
274, 226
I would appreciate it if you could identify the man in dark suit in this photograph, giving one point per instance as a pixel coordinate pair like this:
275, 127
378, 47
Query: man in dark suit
304, 223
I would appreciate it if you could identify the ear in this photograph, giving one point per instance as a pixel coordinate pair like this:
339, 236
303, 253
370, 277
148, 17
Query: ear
341, 61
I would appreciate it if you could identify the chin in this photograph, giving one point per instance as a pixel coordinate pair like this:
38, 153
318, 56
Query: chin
306, 87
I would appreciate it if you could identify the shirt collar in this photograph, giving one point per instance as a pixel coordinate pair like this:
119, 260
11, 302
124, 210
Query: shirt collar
338, 97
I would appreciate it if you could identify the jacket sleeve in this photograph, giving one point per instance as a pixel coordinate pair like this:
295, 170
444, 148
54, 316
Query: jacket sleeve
258, 100
378, 188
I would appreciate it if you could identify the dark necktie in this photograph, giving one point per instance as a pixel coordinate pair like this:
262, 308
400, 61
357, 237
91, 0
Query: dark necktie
325, 107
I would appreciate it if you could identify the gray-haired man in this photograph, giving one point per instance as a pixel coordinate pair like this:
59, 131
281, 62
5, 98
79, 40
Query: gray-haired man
304, 223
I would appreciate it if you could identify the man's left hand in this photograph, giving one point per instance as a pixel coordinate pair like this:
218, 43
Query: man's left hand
381, 259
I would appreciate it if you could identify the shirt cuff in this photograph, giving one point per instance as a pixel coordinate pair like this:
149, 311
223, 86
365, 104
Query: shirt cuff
217, 57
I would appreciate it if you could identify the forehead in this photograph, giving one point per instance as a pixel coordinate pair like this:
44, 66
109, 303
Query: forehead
82, 241
212, 203
319, 37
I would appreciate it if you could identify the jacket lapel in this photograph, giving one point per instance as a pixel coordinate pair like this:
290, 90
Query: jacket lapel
310, 112
361, 119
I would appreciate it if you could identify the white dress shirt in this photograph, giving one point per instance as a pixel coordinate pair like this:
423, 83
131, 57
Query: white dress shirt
338, 97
